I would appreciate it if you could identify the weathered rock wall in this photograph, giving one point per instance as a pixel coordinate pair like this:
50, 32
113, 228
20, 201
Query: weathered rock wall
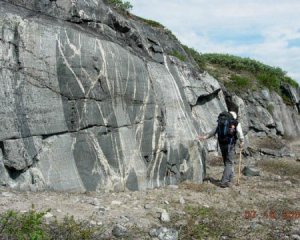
92, 102
266, 114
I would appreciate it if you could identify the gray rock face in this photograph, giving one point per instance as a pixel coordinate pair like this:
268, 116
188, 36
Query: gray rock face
90, 100
90, 114
267, 113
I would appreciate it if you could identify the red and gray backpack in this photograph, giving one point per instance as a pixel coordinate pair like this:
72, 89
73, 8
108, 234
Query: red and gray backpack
226, 130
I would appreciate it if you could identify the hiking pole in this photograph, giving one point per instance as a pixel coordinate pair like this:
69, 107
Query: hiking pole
240, 161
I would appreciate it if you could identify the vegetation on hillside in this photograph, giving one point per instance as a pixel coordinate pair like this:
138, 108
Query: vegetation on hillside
239, 74
120, 5
150, 22
178, 55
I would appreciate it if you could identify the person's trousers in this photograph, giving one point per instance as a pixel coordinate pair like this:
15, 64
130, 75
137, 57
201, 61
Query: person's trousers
228, 155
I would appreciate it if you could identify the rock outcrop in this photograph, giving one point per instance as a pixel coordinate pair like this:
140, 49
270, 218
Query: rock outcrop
92, 100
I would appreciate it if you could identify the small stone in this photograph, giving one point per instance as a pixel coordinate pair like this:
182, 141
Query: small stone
153, 232
288, 182
167, 234
164, 217
250, 172
181, 223
181, 200
162, 230
116, 203
119, 231
48, 215
253, 225
147, 206
277, 177
224, 237
93, 222
102, 209
7, 194
124, 218
166, 202
295, 237
95, 202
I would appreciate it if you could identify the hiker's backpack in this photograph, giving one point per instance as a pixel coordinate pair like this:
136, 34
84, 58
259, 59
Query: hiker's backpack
226, 133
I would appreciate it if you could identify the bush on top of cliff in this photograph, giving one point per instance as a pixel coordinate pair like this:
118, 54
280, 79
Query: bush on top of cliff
262, 74
149, 22
267, 76
120, 5
246, 64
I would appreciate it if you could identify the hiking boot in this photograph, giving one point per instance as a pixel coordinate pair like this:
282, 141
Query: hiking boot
225, 185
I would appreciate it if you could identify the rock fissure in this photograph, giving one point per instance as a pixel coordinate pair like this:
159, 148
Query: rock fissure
203, 99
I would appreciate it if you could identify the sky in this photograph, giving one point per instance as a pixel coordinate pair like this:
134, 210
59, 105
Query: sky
264, 30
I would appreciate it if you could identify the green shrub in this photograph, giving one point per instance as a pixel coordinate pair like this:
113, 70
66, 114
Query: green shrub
269, 81
195, 55
282, 168
291, 82
25, 226
271, 77
286, 99
178, 55
119, 4
150, 22
207, 223
31, 226
71, 229
239, 83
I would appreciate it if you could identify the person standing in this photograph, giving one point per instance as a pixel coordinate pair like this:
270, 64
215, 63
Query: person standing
229, 130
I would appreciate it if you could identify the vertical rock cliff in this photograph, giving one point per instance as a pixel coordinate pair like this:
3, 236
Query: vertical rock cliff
92, 101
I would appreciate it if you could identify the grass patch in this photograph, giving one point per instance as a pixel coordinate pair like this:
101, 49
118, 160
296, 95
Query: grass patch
286, 97
291, 81
270, 81
208, 223
196, 187
268, 142
215, 161
150, 22
31, 225
281, 167
178, 55
195, 55
270, 108
239, 83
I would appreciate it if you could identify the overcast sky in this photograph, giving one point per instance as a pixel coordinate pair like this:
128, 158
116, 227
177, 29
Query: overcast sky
265, 30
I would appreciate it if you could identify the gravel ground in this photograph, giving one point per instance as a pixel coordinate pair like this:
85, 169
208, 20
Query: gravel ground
259, 205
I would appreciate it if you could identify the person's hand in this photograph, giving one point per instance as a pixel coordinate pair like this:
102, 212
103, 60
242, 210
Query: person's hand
241, 145
201, 137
